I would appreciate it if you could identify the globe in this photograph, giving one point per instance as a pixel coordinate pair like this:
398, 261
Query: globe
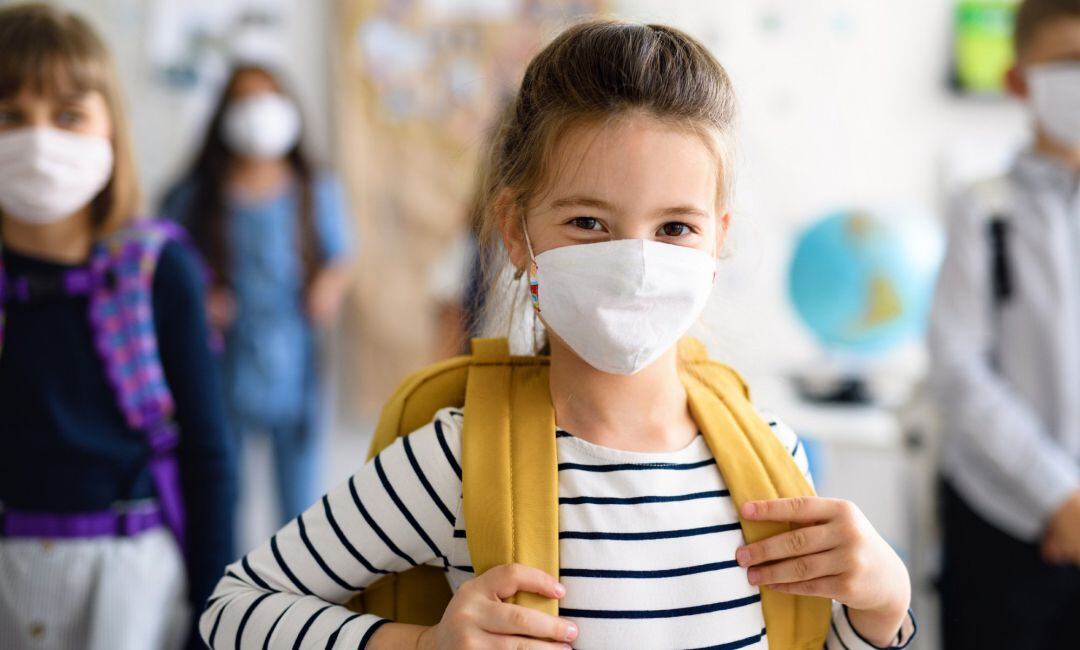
862, 282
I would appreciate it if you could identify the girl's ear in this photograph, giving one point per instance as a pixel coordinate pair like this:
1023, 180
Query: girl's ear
509, 216
1015, 83
723, 222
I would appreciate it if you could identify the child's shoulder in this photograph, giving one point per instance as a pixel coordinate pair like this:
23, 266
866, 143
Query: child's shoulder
444, 430
785, 434
975, 204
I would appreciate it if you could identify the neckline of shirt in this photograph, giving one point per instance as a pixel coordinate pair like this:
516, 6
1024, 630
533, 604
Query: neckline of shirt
696, 449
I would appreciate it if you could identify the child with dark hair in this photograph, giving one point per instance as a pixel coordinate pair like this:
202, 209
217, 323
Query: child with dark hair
276, 234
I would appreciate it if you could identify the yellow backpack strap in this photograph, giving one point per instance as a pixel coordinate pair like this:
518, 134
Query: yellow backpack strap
418, 595
755, 465
510, 465
414, 402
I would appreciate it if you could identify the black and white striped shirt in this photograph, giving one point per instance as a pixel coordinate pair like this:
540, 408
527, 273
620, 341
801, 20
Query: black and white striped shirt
646, 548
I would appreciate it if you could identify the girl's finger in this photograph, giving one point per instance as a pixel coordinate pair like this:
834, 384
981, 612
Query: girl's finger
826, 587
516, 643
802, 510
799, 569
509, 619
504, 581
801, 541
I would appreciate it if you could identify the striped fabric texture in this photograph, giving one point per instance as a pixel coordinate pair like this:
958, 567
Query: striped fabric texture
646, 544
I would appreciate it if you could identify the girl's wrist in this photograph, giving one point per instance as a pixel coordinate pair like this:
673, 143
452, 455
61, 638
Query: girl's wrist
423, 639
393, 636
879, 627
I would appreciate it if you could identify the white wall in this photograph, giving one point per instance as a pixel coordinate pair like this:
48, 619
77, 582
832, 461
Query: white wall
843, 103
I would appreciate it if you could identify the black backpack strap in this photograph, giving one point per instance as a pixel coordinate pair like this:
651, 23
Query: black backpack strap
1001, 279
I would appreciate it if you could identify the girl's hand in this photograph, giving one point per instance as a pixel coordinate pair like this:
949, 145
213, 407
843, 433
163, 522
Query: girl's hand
325, 295
1061, 542
220, 308
477, 617
837, 554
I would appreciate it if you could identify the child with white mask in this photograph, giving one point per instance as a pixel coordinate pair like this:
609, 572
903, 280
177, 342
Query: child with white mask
276, 233
116, 470
608, 185
1005, 342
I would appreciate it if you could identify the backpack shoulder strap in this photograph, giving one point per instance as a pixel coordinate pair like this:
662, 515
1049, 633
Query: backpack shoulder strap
755, 465
994, 199
122, 268
418, 398
510, 464
3, 299
418, 595
509, 471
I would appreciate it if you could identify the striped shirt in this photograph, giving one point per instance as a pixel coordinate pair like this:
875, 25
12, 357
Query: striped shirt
646, 548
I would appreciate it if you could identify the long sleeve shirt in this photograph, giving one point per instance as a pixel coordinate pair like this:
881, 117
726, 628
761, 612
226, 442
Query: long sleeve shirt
1007, 374
647, 547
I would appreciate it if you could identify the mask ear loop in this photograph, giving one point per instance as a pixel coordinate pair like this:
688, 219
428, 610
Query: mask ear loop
534, 288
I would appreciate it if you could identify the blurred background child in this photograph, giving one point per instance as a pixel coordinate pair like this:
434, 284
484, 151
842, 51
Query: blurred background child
276, 234
116, 473
1005, 342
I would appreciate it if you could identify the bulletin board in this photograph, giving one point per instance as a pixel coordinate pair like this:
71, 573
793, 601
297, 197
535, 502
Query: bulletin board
417, 87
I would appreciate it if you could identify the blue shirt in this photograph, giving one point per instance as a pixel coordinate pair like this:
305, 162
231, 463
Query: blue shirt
269, 362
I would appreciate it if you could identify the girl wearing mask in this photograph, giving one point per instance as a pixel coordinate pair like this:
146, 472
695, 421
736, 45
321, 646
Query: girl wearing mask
116, 482
608, 186
276, 235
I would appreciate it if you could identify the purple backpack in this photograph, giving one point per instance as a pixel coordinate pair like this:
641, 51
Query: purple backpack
118, 282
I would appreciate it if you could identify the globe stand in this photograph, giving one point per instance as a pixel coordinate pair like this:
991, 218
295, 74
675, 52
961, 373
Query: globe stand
848, 389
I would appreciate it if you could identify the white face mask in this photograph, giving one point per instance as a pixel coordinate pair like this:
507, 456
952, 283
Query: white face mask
266, 125
621, 304
1055, 99
48, 174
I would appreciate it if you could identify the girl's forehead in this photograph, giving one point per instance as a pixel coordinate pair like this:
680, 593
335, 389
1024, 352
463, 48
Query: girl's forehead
1055, 41
250, 82
47, 78
639, 156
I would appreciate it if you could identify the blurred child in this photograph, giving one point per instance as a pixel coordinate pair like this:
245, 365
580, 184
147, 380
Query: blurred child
609, 185
1005, 337
276, 234
114, 457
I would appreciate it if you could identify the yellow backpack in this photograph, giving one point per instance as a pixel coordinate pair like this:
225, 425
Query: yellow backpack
510, 475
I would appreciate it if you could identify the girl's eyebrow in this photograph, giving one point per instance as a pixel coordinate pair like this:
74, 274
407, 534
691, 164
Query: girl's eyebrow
582, 201
684, 211
72, 97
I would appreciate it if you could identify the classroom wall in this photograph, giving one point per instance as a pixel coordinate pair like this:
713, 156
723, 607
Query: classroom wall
843, 103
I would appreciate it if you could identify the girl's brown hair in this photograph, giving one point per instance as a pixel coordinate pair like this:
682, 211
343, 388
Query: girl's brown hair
1033, 14
52, 52
594, 72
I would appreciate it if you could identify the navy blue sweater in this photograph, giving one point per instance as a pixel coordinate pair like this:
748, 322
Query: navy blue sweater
64, 445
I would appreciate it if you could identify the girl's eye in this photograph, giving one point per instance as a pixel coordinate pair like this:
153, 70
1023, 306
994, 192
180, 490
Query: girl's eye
675, 229
8, 117
586, 223
68, 118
